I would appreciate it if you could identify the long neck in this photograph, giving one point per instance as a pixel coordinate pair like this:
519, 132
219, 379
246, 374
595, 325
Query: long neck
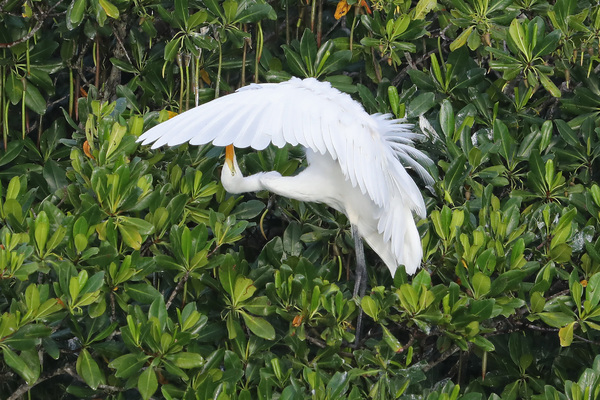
234, 182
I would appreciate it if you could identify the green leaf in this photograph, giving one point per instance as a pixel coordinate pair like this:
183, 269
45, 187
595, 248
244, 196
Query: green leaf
556, 319
259, 306
76, 283
409, 298
421, 104
42, 228
172, 48
308, 49
230, 8
561, 253
370, 307
123, 65
142, 292
93, 284
14, 187
592, 292
567, 133
456, 173
447, 118
482, 309
548, 44
295, 62
506, 140
254, 13
75, 13
391, 340
32, 297
34, 99
394, 99
89, 370
13, 150
537, 169
259, 326
55, 176
486, 261
81, 242
147, 383
128, 364
517, 34
483, 343
338, 385
186, 360
20, 366
537, 302
197, 18
336, 61
186, 244
228, 275
481, 284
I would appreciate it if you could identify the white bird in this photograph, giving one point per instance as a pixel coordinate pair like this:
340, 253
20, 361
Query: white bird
355, 160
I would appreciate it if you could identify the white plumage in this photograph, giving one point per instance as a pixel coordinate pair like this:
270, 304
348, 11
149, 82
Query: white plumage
355, 160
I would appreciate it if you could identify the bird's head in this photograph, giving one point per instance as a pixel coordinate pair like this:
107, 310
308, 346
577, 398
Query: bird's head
230, 159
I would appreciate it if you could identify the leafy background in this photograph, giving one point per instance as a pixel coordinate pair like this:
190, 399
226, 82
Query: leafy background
127, 273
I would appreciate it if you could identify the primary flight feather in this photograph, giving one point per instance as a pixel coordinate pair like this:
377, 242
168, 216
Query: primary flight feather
356, 161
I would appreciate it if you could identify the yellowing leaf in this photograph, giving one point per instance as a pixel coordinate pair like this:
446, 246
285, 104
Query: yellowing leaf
131, 237
566, 334
205, 77
461, 39
549, 85
342, 9
423, 7
109, 8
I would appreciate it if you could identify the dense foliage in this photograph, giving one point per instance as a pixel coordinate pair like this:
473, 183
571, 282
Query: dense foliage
128, 273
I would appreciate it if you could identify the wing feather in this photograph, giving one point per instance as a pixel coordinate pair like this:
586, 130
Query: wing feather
371, 150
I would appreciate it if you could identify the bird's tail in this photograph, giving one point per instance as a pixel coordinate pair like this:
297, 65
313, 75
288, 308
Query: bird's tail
400, 242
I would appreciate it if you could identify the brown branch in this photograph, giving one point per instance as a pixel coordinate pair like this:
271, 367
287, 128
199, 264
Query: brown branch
119, 29
411, 65
540, 328
68, 370
587, 340
41, 17
445, 355
180, 284
106, 388
316, 342
321, 344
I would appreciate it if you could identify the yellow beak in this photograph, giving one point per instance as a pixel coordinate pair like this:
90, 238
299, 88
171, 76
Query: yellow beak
229, 155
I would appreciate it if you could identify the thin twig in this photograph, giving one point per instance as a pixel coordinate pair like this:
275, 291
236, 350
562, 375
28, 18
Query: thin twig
180, 284
316, 342
41, 17
587, 340
68, 370
442, 358
117, 32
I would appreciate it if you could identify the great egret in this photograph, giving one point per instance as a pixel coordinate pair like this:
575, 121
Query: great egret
355, 160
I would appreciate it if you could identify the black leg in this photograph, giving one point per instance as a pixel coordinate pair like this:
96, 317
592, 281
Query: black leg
360, 284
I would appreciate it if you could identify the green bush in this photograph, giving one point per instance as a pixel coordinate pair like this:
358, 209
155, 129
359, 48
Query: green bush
128, 273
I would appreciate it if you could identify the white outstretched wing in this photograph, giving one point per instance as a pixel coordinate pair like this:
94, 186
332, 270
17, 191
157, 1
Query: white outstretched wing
315, 115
